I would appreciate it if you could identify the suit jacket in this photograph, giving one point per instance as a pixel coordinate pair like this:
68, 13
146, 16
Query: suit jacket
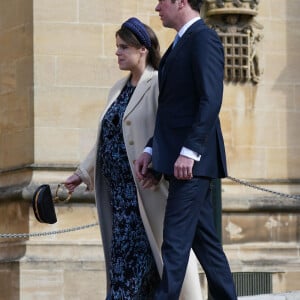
138, 126
190, 97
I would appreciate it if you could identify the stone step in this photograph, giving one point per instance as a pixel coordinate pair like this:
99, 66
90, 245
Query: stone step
295, 295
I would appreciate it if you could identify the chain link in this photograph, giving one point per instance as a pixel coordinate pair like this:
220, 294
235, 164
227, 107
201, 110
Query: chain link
37, 234
242, 182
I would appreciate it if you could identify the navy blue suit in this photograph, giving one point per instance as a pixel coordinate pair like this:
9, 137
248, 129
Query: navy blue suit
191, 90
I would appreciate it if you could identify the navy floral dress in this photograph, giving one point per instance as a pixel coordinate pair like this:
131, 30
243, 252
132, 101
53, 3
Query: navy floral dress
133, 272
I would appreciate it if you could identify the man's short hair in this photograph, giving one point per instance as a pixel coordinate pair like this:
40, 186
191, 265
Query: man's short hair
195, 4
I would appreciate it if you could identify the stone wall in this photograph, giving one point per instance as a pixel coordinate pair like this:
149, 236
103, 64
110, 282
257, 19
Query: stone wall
75, 65
16, 82
48, 123
261, 121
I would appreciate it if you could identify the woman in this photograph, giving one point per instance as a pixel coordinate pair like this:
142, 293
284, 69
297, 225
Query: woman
130, 217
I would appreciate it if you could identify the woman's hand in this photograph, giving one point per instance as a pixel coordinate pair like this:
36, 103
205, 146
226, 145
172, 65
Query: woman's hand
72, 182
149, 180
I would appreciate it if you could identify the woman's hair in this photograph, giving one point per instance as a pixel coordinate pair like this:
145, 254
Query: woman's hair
153, 57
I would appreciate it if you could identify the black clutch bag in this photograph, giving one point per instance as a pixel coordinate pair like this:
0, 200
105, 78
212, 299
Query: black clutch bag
43, 203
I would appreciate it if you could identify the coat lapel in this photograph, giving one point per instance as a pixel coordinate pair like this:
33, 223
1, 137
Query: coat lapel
163, 67
143, 86
171, 54
113, 95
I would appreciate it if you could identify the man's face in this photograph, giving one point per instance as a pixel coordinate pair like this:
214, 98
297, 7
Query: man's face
168, 12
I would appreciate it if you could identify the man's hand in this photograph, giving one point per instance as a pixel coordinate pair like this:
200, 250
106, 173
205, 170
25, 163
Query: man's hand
141, 166
183, 168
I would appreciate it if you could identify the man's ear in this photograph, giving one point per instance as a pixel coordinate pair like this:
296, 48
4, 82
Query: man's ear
182, 3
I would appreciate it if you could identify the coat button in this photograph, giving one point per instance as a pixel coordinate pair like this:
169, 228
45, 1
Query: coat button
131, 142
128, 122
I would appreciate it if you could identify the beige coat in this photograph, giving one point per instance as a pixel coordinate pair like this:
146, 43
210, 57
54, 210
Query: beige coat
138, 126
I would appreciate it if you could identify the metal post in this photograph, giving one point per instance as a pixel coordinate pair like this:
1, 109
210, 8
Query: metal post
217, 208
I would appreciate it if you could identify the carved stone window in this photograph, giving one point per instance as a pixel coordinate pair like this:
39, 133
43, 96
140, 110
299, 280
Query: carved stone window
234, 22
237, 56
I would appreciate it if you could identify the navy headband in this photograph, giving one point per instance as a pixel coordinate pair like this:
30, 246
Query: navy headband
139, 30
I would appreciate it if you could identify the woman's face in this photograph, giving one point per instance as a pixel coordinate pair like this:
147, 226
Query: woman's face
129, 57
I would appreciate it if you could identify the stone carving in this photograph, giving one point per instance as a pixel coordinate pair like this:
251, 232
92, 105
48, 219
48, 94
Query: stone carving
237, 3
240, 33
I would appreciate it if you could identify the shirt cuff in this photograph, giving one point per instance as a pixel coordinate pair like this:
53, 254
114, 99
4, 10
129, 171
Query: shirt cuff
190, 153
148, 150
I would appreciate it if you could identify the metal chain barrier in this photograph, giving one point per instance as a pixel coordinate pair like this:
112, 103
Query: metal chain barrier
37, 234
295, 197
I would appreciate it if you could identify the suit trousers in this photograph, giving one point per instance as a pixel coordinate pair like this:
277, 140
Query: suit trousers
189, 223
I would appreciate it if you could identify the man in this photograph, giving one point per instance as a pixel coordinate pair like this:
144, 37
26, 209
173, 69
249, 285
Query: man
188, 149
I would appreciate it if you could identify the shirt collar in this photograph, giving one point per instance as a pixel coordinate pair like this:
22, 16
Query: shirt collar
186, 26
